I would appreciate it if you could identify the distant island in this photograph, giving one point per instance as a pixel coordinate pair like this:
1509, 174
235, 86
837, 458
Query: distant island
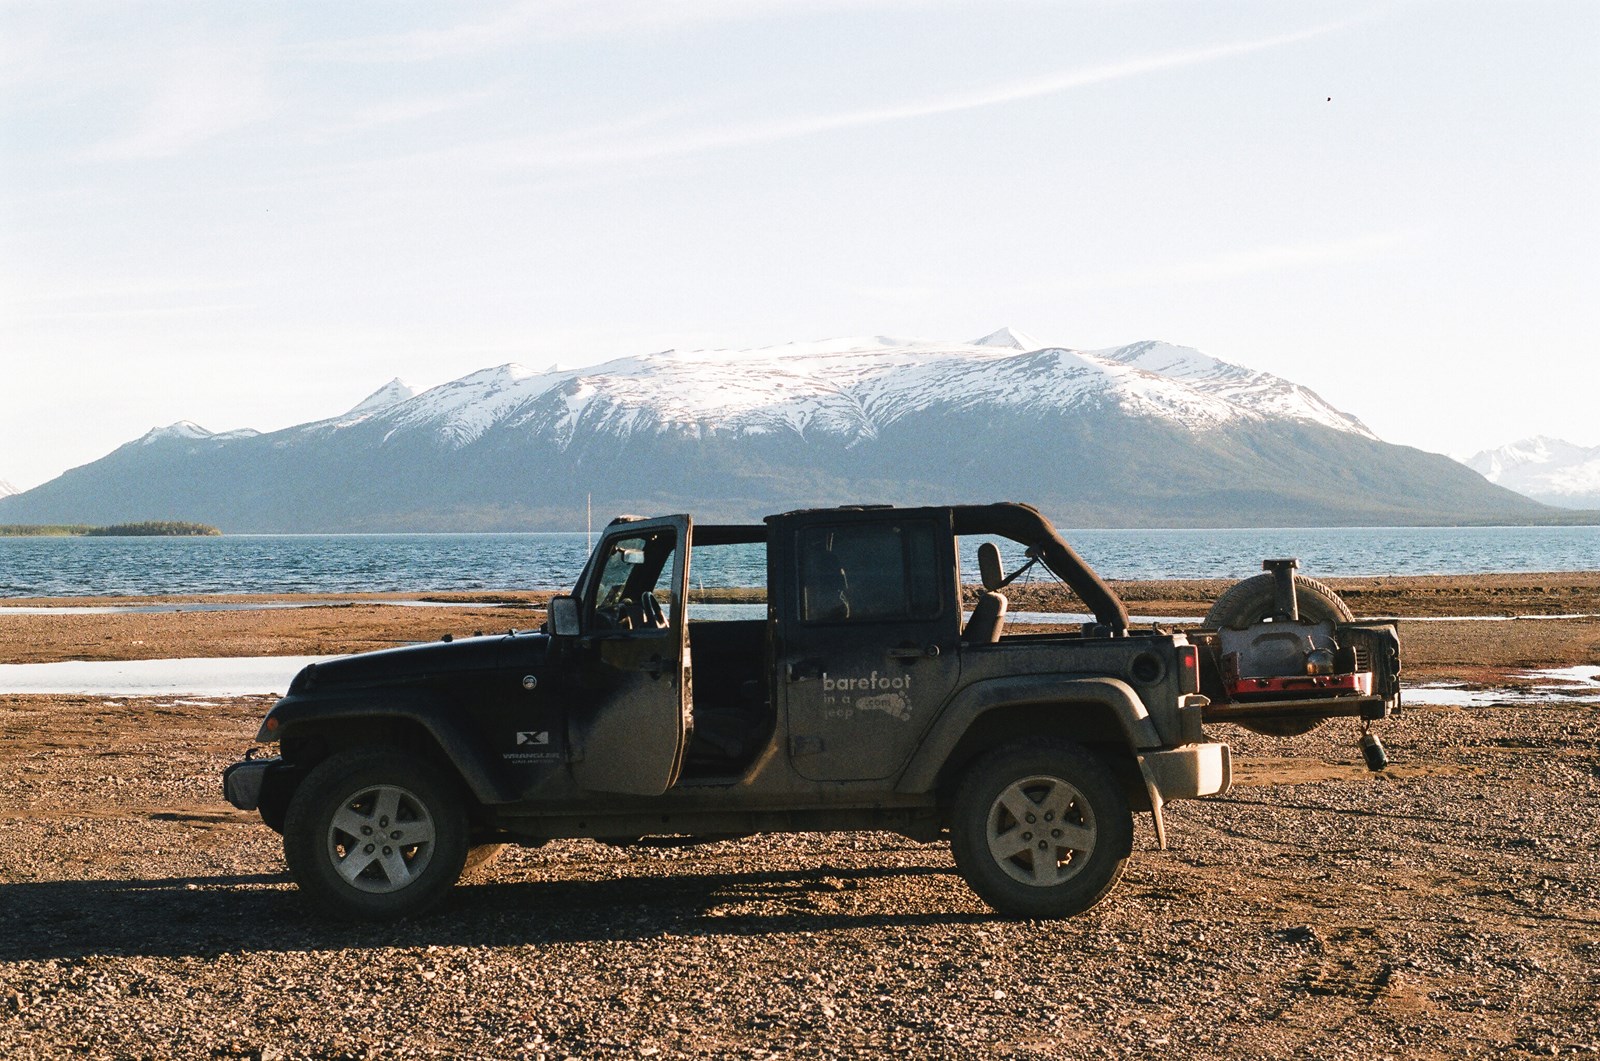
151, 529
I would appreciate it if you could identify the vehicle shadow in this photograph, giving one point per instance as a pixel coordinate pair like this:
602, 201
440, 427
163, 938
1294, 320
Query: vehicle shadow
210, 916
1351, 812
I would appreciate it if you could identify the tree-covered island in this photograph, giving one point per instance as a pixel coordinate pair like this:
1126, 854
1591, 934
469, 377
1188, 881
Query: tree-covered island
148, 529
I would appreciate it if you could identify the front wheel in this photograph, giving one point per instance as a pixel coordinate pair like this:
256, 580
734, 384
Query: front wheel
1041, 829
375, 834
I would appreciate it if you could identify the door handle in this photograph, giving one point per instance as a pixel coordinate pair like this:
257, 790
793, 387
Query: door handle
804, 670
911, 653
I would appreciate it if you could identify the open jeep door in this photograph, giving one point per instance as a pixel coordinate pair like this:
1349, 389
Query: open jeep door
634, 660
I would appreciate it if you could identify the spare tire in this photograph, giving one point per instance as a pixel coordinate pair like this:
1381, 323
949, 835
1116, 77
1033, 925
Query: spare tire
1254, 600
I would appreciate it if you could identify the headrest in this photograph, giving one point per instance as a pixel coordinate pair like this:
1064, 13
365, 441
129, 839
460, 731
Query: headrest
989, 566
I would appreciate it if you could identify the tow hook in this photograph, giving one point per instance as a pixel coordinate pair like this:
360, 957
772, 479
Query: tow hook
1372, 749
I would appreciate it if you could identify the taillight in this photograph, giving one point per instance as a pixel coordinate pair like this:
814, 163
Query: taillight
1188, 669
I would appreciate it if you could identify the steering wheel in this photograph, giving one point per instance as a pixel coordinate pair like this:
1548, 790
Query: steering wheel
651, 612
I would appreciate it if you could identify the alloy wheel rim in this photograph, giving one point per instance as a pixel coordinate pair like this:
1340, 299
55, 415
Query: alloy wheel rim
381, 839
1041, 831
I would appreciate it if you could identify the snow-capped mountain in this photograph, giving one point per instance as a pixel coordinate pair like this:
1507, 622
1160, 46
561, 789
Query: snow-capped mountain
188, 431
1146, 434
394, 392
6, 489
853, 389
1546, 469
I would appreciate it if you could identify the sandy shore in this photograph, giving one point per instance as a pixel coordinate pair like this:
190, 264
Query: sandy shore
1447, 907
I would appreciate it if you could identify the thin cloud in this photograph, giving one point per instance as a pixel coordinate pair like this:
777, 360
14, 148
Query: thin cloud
517, 23
174, 297
1232, 265
202, 92
1258, 260
575, 150
407, 110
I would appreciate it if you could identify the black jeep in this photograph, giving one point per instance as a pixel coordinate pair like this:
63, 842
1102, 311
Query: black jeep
853, 691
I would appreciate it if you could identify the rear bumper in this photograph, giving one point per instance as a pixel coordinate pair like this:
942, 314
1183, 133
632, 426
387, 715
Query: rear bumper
1188, 772
242, 782
1367, 707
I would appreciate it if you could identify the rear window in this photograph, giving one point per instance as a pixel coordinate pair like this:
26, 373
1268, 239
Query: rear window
869, 572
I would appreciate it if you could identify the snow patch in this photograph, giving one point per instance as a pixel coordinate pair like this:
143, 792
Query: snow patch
1009, 337
394, 392
182, 430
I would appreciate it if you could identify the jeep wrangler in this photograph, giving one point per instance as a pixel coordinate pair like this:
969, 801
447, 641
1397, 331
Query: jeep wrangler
856, 692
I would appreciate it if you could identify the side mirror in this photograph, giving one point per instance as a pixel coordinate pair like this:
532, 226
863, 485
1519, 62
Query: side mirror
563, 615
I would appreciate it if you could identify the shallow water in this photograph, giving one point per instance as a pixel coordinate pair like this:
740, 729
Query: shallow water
1567, 685
270, 675
230, 606
212, 677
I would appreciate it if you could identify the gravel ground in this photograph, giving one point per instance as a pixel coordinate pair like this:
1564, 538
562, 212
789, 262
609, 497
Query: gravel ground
1448, 907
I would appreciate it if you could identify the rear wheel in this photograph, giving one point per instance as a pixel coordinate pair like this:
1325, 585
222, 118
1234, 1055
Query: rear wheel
1255, 600
375, 834
1041, 830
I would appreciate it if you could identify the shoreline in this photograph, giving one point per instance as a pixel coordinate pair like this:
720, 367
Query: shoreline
1454, 644
1505, 594
1417, 596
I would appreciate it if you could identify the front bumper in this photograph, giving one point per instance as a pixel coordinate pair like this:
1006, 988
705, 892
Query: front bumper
242, 782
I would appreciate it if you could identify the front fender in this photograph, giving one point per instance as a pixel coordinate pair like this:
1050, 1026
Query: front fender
1034, 690
304, 715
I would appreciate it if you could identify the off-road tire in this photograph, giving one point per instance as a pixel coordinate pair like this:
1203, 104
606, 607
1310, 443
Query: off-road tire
276, 792
1256, 598
392, 796
1082, 818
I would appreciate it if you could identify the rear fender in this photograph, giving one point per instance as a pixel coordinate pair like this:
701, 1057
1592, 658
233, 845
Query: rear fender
1098, 697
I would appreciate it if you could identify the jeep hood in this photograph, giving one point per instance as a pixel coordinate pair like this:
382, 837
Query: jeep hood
419, 663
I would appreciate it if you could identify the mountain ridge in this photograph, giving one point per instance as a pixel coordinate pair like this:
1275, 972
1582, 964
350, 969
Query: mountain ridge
1550, 470
1148, 434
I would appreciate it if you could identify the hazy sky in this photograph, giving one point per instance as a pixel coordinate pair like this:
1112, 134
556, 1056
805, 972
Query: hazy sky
253, 215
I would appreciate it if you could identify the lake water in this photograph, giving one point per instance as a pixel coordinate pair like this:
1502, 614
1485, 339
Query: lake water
416, 563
